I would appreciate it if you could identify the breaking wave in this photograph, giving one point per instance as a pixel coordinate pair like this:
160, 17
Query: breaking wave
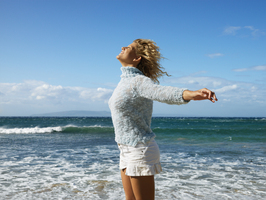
58, 129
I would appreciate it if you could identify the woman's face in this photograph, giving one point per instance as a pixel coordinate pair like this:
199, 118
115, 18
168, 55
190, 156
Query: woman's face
128, 55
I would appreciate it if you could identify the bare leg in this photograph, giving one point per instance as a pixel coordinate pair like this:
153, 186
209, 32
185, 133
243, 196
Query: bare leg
143, 187
127, 185
138, 187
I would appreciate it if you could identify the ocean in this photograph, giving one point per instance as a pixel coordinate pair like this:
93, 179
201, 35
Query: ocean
77, 158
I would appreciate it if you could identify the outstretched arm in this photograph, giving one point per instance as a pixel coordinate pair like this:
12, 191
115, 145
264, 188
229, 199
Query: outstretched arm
201, 94
145, 87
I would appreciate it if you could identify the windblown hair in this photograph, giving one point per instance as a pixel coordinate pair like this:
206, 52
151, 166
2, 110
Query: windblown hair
150, 59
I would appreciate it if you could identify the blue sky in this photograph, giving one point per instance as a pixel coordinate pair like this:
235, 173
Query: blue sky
60, 55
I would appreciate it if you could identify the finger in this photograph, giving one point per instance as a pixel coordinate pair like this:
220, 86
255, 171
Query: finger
214, 96
209, 94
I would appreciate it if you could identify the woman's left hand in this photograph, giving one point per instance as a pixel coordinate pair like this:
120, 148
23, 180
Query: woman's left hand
201, 94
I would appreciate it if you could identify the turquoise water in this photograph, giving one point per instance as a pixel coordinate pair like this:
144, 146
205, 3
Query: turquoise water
77, 158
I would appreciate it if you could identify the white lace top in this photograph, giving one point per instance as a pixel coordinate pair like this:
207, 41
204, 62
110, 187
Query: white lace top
131, 105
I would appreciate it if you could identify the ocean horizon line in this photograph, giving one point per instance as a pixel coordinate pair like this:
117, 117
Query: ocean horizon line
154, 116
86, 113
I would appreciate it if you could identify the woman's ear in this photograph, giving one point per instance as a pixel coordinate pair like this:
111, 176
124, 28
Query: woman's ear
137, 59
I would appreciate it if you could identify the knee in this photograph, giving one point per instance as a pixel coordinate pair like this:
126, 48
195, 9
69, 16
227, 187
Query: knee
130, 198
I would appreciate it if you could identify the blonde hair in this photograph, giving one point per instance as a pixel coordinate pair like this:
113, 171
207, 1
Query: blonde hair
150, 59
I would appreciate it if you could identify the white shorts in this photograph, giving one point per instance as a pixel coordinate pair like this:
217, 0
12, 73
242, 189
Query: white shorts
142, 160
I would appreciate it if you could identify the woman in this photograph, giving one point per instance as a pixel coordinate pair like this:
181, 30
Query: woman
131, 108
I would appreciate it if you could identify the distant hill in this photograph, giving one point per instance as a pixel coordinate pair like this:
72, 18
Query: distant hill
76, 113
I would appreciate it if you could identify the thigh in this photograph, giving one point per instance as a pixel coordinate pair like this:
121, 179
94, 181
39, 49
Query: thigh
127, 185
143, 187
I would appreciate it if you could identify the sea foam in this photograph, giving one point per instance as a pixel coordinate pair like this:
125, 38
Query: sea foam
30, 130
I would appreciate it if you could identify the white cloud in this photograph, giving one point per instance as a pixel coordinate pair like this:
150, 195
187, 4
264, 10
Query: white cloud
255, 68
234, 91
254, 32
226, 88
228, 100
198, 81
240, 70
33, 97
259, 68
231, 30
214, 55
235, 30
32, 92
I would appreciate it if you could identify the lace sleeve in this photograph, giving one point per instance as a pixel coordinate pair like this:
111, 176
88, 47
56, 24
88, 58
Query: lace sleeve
146, 88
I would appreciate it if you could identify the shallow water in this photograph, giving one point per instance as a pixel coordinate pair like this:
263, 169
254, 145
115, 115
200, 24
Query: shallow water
77, 158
